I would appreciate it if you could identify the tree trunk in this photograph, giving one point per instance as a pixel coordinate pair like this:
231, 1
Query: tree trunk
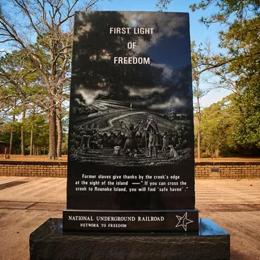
22, 133
22, 139
11, 141
198, 142
11, 135
59, 130
217, 153
52, 130
31, 141
198, 130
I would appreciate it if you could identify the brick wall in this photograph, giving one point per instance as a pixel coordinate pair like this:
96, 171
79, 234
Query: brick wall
37, 169
203, 169
228, 170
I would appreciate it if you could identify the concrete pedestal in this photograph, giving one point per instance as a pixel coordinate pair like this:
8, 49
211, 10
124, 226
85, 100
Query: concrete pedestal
49, 242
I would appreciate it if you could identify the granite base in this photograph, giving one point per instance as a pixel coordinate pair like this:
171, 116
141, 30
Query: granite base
49, 242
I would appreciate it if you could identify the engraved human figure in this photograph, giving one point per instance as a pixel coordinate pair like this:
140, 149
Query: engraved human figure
153, 137
172, 153
130, 146
165, 142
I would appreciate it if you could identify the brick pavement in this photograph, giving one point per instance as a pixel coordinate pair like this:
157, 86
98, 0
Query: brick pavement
26, 202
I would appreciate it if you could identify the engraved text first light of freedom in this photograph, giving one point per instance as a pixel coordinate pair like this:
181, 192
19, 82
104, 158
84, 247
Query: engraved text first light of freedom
129, 30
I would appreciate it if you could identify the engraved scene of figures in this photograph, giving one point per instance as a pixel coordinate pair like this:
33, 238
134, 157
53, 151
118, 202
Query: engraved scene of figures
109, 132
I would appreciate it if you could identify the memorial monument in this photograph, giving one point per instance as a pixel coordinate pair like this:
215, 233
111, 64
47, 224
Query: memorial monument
131, 147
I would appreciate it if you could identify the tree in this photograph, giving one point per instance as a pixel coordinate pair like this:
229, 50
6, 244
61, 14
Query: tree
228, 9
17, 79
238, 67
163, 4
199, 56
48, 48
242, 42
217, 128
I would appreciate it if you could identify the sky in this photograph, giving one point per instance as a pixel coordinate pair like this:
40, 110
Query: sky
199, 32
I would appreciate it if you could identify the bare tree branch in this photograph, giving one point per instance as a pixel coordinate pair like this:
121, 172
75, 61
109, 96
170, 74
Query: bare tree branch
26, 11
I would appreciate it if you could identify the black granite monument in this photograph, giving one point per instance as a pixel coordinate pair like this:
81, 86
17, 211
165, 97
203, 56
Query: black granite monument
131, 162
131, 147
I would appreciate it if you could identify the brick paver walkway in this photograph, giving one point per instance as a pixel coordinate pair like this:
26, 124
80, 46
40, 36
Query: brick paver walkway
25, 203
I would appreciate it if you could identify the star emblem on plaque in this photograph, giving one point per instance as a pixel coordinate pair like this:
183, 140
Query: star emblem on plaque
183, 221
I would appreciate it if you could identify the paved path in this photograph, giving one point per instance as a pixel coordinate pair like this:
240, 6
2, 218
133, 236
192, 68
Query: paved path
25, 203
